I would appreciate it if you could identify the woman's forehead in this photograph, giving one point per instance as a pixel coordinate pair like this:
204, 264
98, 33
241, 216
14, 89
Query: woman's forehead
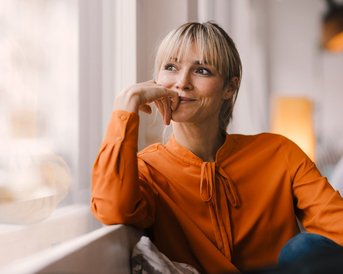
196, 60
191, 54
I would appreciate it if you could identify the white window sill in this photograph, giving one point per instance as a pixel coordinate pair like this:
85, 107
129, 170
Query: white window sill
105, 250
20, 241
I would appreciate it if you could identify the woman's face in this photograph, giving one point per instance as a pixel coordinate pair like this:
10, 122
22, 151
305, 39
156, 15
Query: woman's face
200, 87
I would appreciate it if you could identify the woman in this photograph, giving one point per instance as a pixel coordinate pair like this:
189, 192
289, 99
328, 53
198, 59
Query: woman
219, 202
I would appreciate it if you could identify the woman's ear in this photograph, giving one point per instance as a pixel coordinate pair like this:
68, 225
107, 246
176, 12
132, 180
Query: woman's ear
231, 88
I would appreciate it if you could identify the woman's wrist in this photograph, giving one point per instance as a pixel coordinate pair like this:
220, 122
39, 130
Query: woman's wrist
127, 100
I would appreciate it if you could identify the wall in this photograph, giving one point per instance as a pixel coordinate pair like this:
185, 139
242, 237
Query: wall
300, 67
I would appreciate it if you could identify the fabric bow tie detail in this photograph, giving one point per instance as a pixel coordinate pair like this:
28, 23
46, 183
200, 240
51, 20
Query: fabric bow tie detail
209, 174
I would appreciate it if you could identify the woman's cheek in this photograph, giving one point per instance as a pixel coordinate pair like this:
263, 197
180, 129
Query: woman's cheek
164, 80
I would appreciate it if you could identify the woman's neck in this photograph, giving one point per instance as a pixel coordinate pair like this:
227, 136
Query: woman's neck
203, 141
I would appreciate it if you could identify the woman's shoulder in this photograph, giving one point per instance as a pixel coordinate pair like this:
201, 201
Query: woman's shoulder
267, 142
264, 137
150, 149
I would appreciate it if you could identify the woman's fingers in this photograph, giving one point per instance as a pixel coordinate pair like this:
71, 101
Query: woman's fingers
163, 111
159, 106
174, 100
164, 107
145, 108
152, 91
167, 110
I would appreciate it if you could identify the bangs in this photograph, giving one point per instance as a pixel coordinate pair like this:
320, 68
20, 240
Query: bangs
178, 43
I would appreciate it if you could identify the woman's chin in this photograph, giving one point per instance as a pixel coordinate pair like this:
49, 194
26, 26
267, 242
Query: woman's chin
180, 117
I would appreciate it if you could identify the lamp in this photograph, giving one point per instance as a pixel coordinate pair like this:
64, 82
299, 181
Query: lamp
293, 118
332, 27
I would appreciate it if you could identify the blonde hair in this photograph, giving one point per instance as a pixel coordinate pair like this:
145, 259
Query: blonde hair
218, 50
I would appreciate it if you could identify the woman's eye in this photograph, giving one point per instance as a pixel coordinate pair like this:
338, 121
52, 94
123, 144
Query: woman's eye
170, 67
203, 71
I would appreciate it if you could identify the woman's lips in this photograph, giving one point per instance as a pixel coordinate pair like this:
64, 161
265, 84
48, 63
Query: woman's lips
186, 99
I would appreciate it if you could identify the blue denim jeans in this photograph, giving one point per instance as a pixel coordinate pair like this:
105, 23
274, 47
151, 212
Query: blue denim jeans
306, 248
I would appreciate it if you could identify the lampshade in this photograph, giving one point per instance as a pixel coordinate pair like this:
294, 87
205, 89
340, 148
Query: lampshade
293, 118
332, 27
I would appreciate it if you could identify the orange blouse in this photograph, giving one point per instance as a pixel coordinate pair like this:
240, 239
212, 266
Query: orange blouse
231, 215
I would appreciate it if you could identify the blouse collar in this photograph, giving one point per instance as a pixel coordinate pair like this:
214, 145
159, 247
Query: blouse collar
188, 156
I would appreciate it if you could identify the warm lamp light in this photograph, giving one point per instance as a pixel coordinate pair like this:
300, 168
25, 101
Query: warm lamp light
332, 27
293, 118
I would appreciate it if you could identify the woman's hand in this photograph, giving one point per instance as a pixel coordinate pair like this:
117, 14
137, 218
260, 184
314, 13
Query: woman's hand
139, 96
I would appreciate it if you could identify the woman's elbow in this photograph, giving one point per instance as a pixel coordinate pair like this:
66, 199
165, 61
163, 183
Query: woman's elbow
108, 214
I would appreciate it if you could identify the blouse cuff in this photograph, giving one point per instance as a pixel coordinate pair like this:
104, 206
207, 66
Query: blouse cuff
122, 125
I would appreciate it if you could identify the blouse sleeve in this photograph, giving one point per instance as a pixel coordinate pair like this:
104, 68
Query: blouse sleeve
119, 193
318, 206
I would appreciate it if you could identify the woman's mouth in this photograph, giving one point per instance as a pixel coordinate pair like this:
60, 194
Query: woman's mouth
186, 100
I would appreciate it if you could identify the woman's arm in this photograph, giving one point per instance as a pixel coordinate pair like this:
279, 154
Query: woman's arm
118, 194
318, 206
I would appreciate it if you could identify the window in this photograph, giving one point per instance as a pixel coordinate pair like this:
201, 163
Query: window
38, 104
60, 66
48, 133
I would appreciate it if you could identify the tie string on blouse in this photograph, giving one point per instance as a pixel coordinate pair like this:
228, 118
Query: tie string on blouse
208, 184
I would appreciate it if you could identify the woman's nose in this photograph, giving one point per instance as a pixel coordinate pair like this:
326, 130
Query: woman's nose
184, 82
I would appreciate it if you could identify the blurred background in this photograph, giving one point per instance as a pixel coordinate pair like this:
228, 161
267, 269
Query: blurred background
63, 61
